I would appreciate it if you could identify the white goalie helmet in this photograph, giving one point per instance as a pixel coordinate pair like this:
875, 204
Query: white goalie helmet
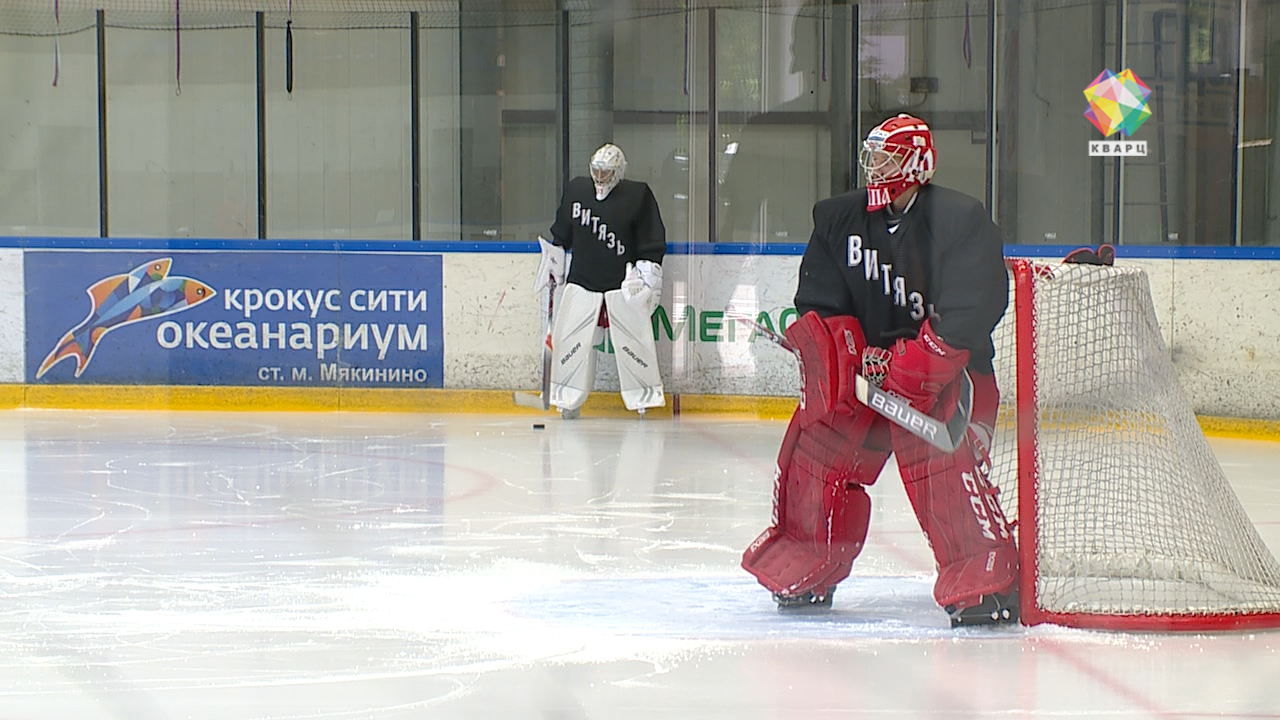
608, 166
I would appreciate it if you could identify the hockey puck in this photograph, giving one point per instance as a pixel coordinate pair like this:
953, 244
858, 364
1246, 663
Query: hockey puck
539, 426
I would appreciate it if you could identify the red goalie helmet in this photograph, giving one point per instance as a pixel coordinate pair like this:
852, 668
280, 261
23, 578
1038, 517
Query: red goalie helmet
897, 154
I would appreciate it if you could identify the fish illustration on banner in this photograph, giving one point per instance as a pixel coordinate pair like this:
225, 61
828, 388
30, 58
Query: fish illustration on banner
146, 292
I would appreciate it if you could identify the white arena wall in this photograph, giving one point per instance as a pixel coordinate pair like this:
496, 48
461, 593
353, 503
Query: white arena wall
12, 316
1218, 318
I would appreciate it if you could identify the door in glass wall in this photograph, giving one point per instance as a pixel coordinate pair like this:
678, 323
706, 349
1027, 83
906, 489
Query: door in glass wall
1049, 189
48, 132
785, 121
338, 137
1184, 190
181, 137
507, 133
652, 101
530, 139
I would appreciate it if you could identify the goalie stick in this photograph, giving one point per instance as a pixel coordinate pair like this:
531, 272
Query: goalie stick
542, 401
945, 436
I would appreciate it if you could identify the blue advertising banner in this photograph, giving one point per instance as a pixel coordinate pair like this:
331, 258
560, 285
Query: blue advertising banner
235, 318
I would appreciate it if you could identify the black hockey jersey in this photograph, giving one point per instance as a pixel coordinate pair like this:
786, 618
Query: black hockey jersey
605, 235
945, 261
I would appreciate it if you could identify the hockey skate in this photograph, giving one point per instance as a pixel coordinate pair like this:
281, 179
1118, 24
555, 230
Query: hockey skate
993, 610
812, 601
567, 414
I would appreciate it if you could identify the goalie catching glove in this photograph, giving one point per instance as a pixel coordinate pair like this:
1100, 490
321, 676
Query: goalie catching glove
1104, 255
642, 287
916, 370
551, 268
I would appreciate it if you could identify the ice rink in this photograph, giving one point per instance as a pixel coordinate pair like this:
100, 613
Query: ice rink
163, 566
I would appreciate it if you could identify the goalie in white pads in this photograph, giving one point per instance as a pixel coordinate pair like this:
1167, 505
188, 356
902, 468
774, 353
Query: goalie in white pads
614, 230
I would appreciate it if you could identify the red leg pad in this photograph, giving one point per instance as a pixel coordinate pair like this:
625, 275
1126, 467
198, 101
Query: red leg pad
821, 511
958, 510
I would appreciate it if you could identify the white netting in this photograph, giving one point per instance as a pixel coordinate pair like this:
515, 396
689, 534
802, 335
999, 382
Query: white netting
1135, 516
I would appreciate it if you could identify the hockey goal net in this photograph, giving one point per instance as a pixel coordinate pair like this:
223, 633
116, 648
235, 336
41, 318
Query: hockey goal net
1125, 518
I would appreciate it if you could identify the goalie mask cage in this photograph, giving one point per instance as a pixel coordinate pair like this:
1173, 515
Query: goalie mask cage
1126, 520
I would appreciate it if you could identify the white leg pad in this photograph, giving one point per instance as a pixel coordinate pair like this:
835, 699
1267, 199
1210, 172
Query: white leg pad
573, 357
632, 334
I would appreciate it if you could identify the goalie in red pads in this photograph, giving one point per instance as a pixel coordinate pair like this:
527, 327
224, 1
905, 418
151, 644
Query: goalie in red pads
902, 282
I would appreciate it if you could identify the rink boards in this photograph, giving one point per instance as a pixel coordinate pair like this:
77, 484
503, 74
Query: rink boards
405, 326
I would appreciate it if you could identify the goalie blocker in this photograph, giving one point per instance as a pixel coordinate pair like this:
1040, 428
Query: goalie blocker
942, 434
835, 447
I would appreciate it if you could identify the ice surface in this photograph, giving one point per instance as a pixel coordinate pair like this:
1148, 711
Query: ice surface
209, 565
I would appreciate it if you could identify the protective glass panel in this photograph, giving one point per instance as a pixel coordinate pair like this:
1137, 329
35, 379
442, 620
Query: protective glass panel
49, 133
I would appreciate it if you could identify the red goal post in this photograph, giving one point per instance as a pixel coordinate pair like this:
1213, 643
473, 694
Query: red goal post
1126, 521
